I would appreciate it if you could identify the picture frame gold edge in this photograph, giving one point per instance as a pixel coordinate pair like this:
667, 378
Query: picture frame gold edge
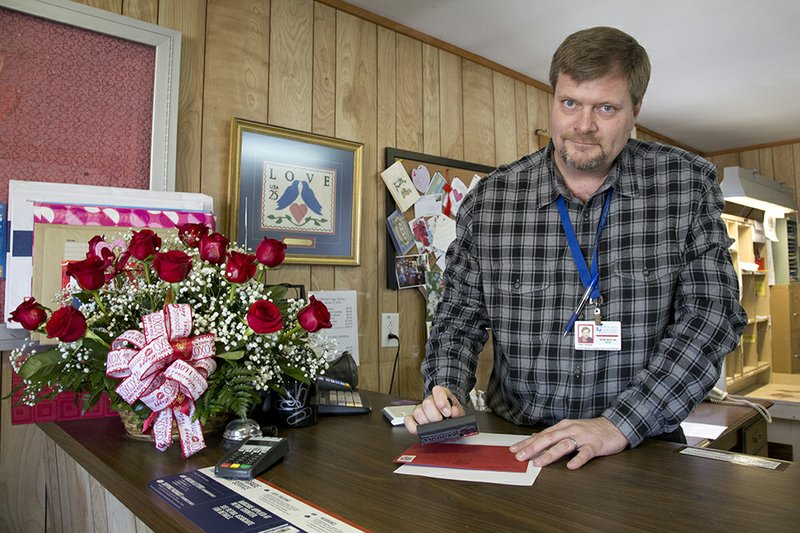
358, 175
238, 125
234, 156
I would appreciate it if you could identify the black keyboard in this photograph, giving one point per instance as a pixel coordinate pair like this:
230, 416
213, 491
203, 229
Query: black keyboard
342, 402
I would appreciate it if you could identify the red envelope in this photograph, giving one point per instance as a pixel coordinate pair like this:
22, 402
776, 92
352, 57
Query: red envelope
469, 456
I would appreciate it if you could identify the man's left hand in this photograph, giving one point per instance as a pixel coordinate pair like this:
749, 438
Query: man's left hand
593, 437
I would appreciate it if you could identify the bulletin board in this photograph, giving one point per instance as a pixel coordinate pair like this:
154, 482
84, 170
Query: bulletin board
451, 169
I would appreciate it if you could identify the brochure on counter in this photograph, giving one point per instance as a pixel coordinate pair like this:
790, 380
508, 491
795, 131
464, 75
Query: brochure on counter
237, 506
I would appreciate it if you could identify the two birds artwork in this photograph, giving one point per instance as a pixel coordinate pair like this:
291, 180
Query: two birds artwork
306, 194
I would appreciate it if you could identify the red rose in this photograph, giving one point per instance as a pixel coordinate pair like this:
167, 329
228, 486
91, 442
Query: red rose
30, 314
212, 248
172, 266
315, 316
264, 317
271, 252
68, 324
240, 267
89, 273
190, 233
144, 244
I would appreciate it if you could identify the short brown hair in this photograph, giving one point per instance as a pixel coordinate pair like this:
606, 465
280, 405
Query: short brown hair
597, 52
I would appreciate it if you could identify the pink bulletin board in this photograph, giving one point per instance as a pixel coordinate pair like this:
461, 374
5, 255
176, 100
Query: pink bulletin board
75, 105
87, 97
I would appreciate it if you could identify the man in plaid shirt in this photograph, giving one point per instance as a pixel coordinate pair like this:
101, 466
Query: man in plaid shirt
632, 228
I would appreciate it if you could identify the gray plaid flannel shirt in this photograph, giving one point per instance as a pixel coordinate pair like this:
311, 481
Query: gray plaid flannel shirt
665, 274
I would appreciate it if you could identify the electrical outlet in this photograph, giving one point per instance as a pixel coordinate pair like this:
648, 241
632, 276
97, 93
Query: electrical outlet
390, 323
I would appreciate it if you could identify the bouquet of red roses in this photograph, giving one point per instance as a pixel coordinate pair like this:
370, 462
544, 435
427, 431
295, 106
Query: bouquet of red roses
182, 328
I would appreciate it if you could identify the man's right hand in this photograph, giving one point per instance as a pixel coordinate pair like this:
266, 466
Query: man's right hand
440, 404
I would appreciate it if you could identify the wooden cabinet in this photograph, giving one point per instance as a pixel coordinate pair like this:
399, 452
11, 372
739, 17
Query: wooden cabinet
754, 438
786, 323
749, 364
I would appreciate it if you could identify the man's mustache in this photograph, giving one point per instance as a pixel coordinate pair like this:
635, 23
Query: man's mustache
583, 140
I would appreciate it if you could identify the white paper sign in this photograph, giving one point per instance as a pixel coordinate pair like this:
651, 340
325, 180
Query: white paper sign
702, 431
344, 318
441, 261
421, 177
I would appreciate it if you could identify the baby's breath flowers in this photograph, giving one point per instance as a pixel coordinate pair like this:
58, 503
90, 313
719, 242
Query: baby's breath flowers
260, 337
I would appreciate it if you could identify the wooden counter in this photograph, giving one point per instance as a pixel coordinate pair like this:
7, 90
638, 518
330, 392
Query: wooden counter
344, 465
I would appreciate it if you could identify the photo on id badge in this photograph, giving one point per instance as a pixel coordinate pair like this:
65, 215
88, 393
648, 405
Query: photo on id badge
590, 336
585, 335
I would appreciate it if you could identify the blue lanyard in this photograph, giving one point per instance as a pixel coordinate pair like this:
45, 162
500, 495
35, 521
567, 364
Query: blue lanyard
589, 277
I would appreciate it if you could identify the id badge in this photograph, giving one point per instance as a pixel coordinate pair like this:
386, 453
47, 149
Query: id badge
606, 336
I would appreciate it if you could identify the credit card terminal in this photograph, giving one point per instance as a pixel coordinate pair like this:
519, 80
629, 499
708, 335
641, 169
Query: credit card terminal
250, 459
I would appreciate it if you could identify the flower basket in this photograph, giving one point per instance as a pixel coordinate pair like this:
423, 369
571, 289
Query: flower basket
133, 425
180, 333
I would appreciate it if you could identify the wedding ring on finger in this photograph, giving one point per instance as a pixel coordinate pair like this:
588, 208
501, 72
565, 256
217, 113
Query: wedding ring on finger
573, 442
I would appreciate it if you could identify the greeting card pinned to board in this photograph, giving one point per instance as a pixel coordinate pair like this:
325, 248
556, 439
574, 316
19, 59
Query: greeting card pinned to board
400, 186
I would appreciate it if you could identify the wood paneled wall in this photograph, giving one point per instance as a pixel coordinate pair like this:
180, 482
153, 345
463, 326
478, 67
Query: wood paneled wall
313, 67
317, 66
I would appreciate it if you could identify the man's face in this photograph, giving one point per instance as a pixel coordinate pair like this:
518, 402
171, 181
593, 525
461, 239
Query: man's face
590, 123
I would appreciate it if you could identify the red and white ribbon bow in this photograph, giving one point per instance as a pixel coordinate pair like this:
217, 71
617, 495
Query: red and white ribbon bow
166, 369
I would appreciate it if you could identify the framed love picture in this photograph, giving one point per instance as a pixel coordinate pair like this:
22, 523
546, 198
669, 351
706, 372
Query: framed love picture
423, 194
299, 188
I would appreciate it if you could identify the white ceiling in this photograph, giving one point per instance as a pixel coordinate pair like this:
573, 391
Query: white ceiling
726, 73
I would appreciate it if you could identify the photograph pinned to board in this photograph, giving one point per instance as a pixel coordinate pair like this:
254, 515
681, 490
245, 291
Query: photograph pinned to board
423, 235
435, 187
410, 270
437, 184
